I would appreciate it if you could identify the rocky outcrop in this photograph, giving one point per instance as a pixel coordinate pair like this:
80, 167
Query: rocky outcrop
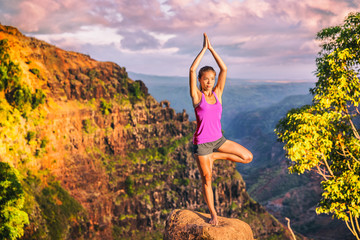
186, 224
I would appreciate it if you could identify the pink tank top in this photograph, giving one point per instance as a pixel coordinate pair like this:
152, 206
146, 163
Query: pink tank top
208, 119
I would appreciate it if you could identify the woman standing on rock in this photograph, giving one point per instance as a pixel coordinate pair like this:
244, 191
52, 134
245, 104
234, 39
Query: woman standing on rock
209, 143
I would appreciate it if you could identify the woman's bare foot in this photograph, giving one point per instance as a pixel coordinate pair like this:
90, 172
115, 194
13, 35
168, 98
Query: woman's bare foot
214, 221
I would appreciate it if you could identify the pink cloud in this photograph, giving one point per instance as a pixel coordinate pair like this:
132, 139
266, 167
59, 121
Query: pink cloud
270, 32
49, 16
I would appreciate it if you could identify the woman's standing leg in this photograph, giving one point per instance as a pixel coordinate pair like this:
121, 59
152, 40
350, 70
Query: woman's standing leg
228, 151
205, 164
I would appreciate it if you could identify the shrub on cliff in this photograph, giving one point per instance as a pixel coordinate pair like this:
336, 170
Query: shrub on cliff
135, 91
12, 218
105, 107
324, 136
20, 97
17, 94
35, 71
37, 98
10, 73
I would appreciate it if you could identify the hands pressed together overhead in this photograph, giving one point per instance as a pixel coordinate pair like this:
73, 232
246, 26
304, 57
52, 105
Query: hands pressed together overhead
207, 43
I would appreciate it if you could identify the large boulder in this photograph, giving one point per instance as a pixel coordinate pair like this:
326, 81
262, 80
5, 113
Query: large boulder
187, 224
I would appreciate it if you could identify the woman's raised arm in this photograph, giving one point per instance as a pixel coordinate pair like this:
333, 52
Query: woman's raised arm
219, 88
194, 90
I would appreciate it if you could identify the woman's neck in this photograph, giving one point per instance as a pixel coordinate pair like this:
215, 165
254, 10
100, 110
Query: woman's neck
208, 93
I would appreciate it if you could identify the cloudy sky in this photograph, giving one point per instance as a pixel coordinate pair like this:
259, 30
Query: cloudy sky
257, 39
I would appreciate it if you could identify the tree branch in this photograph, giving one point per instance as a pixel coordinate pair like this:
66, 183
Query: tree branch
353, 226
347, 153
319, 171
351, 230
354, 129
288, 225
352, 124
348, 164
357, 225
327, 166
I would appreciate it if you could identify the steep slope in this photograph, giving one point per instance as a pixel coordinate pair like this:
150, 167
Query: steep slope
101, 158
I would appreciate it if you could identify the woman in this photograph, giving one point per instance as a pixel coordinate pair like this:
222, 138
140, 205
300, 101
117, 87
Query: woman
209, 143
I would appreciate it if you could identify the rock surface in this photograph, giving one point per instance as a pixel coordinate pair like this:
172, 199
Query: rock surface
186, 224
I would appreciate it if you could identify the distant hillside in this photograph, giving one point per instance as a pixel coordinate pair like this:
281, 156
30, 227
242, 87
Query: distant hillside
240, 95
262, 121
267, 177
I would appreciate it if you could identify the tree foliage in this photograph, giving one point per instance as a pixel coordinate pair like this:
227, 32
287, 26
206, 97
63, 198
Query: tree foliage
324, 137
12, 218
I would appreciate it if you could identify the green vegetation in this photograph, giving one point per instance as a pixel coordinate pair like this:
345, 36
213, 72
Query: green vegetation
48, 211
37, 98
123, 217
19, 104
88, 126
129, 186
20, 97
93, 74
35, 71
17, 93
59, 209
234, 206
324, 136
44, 142
161, 154
181, 181
237, 176
53, 213
30, 136
147, 171
105, 107
118, 233
10, 73
135, 92
12, 218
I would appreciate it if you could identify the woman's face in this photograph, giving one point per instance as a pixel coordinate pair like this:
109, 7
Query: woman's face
207, 80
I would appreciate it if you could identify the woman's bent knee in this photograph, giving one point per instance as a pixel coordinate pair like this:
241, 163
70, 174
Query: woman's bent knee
248, 157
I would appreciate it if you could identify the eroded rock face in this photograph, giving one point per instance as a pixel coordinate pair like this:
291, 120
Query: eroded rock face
186, 224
